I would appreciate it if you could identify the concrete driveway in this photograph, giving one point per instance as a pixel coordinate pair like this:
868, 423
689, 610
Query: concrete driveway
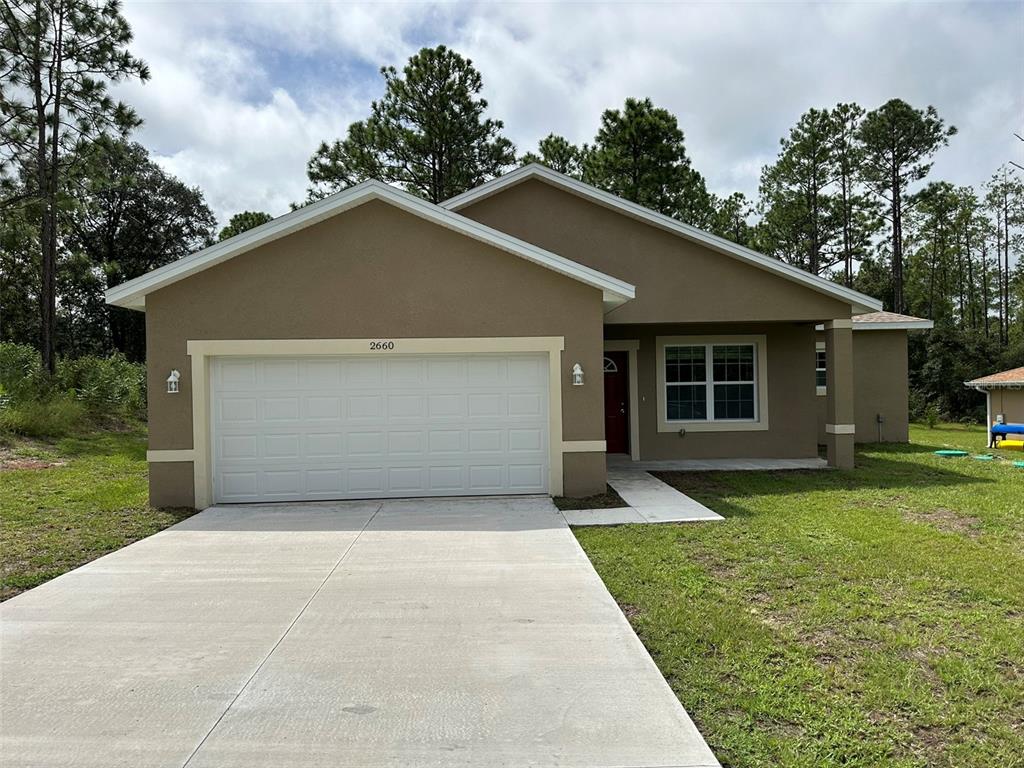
408, 633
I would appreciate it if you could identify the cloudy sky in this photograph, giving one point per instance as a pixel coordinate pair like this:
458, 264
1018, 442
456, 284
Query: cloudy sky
243, 92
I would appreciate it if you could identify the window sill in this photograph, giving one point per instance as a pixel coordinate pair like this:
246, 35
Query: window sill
714, 426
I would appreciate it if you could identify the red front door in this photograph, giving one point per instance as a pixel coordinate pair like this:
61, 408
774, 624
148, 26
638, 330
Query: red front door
616, 401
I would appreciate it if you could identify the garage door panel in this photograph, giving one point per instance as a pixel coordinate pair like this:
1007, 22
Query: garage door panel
485, 478
365, 407
281, 446
311, 428
522, 476
363, 372
323, 408
525, 440
443, 441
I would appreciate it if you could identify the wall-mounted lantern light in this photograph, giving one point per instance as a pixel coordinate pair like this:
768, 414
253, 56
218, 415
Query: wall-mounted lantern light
172, 381
577, 375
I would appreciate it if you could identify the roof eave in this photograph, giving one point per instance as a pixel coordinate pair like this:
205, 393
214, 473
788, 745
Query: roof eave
907, 325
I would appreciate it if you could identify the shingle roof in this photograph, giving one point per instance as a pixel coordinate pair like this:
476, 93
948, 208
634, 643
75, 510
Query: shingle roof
884, 317
1011, 378
889, 320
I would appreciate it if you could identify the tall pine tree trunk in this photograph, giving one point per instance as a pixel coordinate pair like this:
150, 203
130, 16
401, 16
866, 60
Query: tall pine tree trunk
1006, 264
985, 299
897, 245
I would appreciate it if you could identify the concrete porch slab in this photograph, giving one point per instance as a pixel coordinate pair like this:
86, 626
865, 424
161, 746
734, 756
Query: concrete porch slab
617, 461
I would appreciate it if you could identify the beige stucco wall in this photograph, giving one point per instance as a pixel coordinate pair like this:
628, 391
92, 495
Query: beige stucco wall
372, 272
881, 386
792, 425
1010, 403
676, 280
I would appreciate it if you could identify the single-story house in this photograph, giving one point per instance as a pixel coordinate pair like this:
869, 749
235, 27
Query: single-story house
373, 344
1004, 397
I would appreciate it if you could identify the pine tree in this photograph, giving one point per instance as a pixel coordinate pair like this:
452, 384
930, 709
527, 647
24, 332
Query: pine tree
427, 134
899, 142
58, 56
639, 154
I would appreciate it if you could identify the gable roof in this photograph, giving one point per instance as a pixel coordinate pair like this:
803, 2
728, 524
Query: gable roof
889, 321
1013, 379
132, 294
859, 302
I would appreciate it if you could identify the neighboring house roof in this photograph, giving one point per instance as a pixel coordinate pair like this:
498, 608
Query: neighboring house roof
858, 301
889, 321
132, 294
1013, 379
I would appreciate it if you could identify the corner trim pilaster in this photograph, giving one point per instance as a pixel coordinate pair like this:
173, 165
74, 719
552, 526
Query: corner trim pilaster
840, 429
583, 446
165, 455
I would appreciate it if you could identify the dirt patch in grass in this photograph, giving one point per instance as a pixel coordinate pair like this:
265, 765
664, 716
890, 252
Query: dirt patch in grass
712, 483
947, 521
18, 462
607, 500
629, 611
28, 454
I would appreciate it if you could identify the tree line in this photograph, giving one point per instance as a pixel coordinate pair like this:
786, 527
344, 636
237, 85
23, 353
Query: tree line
849, 196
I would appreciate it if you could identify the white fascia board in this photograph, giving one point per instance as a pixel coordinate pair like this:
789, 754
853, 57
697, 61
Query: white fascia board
132, 294
899, 325
860, 303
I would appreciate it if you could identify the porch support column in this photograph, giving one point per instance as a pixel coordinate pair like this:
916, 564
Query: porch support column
839, 423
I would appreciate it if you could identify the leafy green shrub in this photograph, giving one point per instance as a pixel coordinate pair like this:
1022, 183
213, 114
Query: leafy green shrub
56, 416
106, 386
82, 390
931, 415
917, 405
21, 377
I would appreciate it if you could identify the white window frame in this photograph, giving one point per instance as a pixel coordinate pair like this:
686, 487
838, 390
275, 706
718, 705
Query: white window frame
760, 420
819, 346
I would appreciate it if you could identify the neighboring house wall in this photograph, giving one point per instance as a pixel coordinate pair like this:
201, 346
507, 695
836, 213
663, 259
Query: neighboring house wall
880, 387
791, 431
1009, 402
676, 280
372, 272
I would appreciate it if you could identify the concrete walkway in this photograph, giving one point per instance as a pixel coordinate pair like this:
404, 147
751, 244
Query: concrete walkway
410, 633
650, 501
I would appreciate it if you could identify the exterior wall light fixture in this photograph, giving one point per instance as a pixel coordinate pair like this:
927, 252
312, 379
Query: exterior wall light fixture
172, 381
577, 375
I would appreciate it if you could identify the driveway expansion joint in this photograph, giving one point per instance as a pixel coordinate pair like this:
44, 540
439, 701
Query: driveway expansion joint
284, 634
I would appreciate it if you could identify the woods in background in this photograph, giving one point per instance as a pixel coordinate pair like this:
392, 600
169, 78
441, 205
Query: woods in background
849, 197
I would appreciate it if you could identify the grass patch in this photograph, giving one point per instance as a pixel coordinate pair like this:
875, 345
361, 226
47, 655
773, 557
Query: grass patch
63, 504
607, 500
865, 618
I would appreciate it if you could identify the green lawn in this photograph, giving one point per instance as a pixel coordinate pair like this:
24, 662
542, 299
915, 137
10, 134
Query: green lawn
865, 618
65, 504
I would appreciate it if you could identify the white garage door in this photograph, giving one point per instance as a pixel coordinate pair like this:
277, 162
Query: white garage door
291, 429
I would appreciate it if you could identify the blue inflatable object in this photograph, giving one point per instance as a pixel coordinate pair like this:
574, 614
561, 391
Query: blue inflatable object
1007, 429
948, 453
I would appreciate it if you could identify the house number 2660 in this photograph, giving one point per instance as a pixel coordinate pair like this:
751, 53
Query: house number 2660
377, 346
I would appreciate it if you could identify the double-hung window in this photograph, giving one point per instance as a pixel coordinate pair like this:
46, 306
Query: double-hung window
711, 382
820, 371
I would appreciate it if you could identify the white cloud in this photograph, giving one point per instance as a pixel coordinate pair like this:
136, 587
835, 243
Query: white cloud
242, 93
